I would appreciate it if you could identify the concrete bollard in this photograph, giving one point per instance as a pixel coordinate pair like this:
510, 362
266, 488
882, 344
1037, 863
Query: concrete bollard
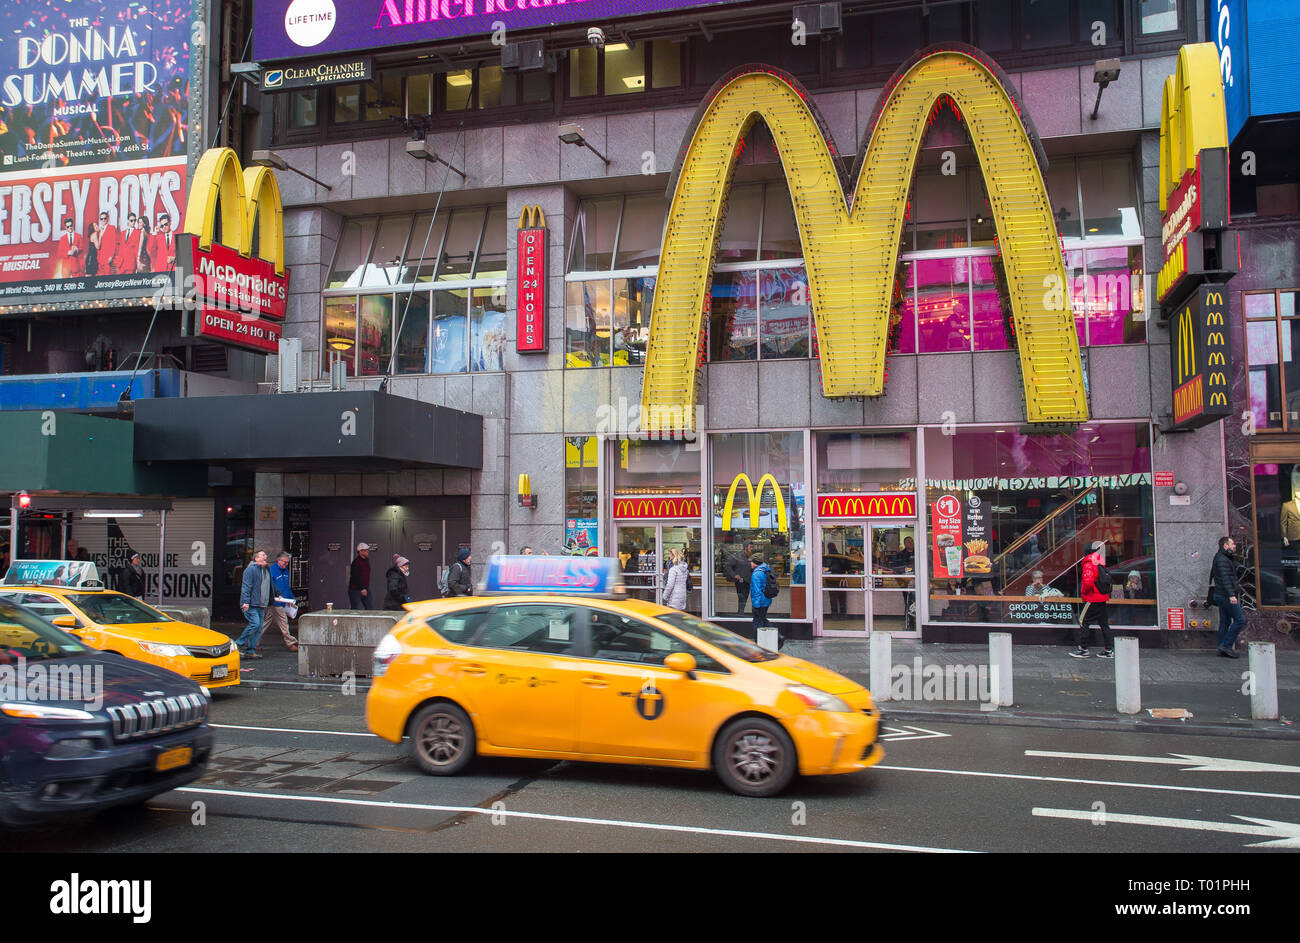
1128, 677
1000, 670
769, 638
881, 661
1263, 672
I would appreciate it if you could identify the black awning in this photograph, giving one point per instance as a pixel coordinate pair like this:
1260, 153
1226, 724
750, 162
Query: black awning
362, 430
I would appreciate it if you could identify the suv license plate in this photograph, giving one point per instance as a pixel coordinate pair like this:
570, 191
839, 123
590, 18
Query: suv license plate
220, 671
174, 759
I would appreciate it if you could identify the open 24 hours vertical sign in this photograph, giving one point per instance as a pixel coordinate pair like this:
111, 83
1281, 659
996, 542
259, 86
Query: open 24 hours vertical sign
530, 308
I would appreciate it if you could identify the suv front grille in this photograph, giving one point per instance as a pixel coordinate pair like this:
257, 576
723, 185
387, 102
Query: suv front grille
164, 715
216, 651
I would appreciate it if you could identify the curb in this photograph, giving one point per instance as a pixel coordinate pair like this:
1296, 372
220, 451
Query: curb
299, 685
1074, 722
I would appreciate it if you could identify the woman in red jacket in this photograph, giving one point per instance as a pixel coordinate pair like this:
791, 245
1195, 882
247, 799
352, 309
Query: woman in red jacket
1094, 605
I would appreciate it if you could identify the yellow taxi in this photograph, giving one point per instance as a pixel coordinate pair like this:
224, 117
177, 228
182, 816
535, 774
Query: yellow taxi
70, 595
551, 660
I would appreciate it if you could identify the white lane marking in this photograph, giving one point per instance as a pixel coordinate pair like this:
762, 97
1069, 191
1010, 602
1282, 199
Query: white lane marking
332, 733
578, 820
1189, 763
1091, 782
1281, 834
911, 733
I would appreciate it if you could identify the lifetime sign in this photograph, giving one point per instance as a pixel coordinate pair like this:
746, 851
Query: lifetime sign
530, 307
1199, 358
851, 245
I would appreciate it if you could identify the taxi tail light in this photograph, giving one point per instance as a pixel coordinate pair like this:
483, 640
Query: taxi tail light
385, 653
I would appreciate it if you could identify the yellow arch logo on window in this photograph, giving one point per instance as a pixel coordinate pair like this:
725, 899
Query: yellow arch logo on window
851, 248
755, 502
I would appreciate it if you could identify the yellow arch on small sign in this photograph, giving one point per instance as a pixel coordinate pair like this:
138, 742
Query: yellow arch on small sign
247, 199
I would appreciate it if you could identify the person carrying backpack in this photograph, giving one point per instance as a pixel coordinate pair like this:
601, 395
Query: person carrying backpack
1096, 593
763, 588
456, 580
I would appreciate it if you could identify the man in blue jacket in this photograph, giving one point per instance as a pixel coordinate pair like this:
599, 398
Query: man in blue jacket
759, 574
256, 592
277, 615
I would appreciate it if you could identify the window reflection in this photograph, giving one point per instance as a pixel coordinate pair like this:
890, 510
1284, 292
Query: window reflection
488, 329
375, 330
783, 301
450, 332
943, 304
733, 319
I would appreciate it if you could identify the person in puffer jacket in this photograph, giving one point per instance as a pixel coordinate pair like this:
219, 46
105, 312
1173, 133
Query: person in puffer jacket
398, 592
1094, 605
675, 585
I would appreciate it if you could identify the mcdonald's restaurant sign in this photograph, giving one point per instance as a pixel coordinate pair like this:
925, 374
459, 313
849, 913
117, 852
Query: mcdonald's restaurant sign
240, 296
851, 240
1200, 360
656, 508
530, 307
866, 505
755, 496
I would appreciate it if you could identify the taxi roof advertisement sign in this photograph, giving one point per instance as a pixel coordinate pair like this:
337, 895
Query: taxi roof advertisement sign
94, 121
572, 576
52, 573
286, 29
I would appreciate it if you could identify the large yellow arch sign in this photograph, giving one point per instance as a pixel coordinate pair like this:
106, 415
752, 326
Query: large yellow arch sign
851, 250
246, 199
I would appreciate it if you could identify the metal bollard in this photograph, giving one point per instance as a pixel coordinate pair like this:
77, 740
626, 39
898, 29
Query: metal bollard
1128, 677
1000, 668
881, 661
769, 638
1263, 672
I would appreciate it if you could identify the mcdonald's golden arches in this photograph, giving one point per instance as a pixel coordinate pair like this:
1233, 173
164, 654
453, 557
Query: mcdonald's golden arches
755, 501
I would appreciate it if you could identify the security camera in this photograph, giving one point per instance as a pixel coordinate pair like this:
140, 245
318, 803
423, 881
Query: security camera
596, 36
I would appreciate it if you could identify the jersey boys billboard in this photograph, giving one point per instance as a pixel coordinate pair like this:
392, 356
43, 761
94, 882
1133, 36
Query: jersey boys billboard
290, 28
93, 127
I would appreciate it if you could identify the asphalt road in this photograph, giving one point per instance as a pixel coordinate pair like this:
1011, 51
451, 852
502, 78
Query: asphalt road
297, 771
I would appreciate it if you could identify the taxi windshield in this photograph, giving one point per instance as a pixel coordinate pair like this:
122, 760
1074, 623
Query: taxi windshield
112, 609
24, 634
729, 642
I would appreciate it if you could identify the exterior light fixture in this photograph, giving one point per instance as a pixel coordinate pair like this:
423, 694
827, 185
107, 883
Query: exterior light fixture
276, 162
423, 150
572, 134
24, 500
113, 514
1103, 73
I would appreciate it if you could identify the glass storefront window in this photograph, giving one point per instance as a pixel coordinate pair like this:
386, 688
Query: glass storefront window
987, 323
1277, 533
772, 524
943, 304
1005, 507
904, 332
412, 313
487, 341
491, 262
581, 463
733, 317
1272, 343
1074, 274
1265, 380
1110, 206
375, 335
645, 467
784, 307
586, 324
632, 305
1115, 310
341, 330
594, 232
385, 266
940, 209
641, 232
351, 253
780, 231
738, 241
865, 462
426, 242
1063, 192
450, 332
624, 68
462, 245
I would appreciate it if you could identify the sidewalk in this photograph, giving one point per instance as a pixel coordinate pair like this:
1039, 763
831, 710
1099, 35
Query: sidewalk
1050, 688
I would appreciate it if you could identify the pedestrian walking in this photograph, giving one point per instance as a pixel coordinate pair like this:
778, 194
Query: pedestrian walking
737, 569
284, 603
459, 581
1096, 593
255, 595
759, 600
677, 586
133, 577
359, 578
398, 593
1226, 592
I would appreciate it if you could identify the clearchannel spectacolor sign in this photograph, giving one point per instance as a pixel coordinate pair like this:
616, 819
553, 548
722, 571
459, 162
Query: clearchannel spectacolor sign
286, 29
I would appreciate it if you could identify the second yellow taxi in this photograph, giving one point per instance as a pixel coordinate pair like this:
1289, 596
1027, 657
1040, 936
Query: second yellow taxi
552, 661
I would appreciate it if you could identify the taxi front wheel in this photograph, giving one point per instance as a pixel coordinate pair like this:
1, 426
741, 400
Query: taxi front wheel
442, 739
754, 757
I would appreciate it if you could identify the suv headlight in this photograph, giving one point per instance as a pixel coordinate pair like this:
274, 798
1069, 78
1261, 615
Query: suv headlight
44, 711
818, 700
385, 653
166, 651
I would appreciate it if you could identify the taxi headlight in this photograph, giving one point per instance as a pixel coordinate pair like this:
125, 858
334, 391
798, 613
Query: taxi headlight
385, 652
818, 700
166, 651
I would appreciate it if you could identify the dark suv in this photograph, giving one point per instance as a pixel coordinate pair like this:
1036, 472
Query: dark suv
82, 730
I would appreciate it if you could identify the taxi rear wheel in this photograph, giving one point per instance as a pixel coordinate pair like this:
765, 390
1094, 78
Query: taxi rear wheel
754, 757
442, 739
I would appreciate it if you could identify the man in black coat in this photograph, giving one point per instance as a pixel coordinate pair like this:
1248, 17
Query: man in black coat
359, 578
459, 581
1227, 596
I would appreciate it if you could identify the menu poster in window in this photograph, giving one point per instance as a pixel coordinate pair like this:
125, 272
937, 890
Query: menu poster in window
977, 561
945, 516
580, 535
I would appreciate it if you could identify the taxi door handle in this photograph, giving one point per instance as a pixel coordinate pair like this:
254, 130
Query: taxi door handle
595, 681
473, 669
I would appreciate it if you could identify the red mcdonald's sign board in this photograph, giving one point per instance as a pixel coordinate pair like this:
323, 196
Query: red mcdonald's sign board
653, 508
866, 505
530, 307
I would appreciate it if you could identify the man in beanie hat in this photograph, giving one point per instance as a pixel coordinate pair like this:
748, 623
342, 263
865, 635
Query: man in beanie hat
1096, 593
459, 582
397, 589
359, 579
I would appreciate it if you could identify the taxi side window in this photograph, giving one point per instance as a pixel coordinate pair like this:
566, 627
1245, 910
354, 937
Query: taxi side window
544, 629
44, 605
621, 638
458, 627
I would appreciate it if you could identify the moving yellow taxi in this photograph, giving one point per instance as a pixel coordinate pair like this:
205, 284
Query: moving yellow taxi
568, 669
115, 622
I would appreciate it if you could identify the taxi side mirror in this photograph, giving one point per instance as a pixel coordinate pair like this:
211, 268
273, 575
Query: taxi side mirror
65, 622
681, 661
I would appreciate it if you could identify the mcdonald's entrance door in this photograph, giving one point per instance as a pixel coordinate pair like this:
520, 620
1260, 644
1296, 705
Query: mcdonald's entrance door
644, 551
868, 578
